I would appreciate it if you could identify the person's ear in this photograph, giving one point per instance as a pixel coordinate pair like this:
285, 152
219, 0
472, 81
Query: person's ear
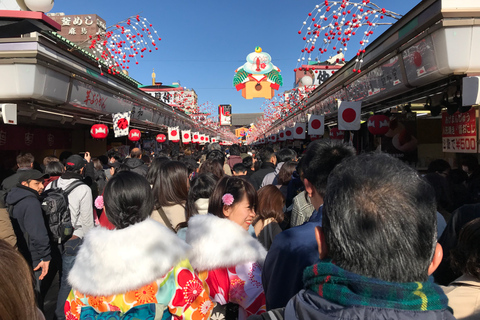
227, 210
24, 183
437, 258
308, 187
322, 245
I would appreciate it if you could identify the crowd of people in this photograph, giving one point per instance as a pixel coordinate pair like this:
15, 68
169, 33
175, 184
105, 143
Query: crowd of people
236, 233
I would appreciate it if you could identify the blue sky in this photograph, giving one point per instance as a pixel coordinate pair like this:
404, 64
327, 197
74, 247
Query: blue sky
203, 42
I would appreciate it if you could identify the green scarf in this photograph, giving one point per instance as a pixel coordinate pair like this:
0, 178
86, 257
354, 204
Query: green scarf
349, 289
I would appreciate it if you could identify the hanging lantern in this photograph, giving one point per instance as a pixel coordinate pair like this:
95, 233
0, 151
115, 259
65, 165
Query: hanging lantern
99, 131
134, 135
378, 124
336, 134
161, 138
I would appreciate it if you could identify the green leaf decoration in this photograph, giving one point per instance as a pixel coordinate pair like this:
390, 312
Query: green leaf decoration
239, 77
275, 77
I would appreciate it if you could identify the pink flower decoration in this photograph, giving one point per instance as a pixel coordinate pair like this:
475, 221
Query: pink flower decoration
99, 202
228, 199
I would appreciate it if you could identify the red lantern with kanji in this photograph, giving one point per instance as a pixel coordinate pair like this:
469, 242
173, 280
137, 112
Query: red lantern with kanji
161, 138
134, 135
378, 124
336, 134
99, 131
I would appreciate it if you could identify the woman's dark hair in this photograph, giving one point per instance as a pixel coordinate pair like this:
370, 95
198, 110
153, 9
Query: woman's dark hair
216, 155
438, 165
202, 186
54, 168
234, 150
154, 169
17, 298
285, 173
466, 255
248, 162
238, 188
128, 199
121, 168
270, 204
97, 164
171, 185
212, 166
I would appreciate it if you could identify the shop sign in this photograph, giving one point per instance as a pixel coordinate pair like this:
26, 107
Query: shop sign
33, 138
459, 132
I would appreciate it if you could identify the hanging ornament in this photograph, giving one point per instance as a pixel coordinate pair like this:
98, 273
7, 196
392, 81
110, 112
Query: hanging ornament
99, 131
378, 124
134, 135
161, 138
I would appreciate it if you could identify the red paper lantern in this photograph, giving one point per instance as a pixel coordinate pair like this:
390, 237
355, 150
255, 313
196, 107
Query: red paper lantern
99, 131
378, 124
336, 134
134, 135
161, 138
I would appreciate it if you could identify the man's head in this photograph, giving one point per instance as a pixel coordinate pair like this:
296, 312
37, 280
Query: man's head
25, 160
214, 146
286, 154
136, 153
113, 156
33, 179
379, 220
268, 155
75, 164
239, 170
320, 159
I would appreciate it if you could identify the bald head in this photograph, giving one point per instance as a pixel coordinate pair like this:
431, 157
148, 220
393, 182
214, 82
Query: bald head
136, 153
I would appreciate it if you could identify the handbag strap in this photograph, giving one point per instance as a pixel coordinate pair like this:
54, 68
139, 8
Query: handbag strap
165, 219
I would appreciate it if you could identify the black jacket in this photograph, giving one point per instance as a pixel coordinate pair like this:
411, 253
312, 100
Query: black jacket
9, 183
29, 225
257, 178
137, 166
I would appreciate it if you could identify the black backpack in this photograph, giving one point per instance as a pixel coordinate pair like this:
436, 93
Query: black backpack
57, 211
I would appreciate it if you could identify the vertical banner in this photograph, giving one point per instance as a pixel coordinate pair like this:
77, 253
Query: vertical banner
349, 115
459, 132
186, 136
173, 134
299, 131
316, 125
281, 135
196, 137
121, 124
289, 133
225, 114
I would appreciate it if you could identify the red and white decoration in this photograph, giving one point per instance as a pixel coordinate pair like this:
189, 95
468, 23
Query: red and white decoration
316, 125
281, 135
207, 138
299, 132
214, 139
134, 135
262, 141
336, 134
202, 139
121, 124
186, 136
378, 124
195, 137
99, 131
289, 133
161, 138
349, 115
173, 134
273, 138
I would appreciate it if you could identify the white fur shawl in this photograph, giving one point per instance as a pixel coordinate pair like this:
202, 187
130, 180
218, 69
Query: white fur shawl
221, 243
117, 261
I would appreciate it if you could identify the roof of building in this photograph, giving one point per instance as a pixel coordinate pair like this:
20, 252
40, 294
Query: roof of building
244, 119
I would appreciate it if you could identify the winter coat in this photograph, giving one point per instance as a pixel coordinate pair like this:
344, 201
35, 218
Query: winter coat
29, 224
464, 297
202, 205
175, 214
233, 160
6, 229
137, 165
230, 262
9, 183
257, 177
141, 270
271, 178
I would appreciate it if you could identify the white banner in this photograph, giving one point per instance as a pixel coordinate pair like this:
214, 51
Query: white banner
174, 134
186, 136
349, 115
316, 125
121, 124
299, 131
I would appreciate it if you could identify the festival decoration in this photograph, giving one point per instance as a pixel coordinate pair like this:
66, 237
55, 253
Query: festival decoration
134, 135
186, 136
334, 23
349, 115
316, 125
123, 44
195, 137
161, 138
173, 134
99, 131
336, 134
258, 78
378, 124
121, 123
299, 131
289, 133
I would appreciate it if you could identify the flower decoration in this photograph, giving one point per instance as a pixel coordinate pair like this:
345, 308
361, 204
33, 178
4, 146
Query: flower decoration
99, 202
228, 199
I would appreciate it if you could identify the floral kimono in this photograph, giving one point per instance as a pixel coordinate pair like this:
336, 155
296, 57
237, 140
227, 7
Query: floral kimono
140, 272
229, 262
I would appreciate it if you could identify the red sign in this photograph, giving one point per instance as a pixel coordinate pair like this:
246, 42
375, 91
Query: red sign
33, 138
459, 132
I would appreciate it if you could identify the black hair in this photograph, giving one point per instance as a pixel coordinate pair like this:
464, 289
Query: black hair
234, 150
154, 169
466, 255
438, 165
266, 154
379, 219
54, 168
237, 187
216, 155
171, 185
320, 159
286, 154
202, 186
285, 174
239, 168
121, 168
128, 199
247, 162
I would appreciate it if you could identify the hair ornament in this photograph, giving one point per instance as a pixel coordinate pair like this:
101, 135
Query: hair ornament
99, 202
228, 199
